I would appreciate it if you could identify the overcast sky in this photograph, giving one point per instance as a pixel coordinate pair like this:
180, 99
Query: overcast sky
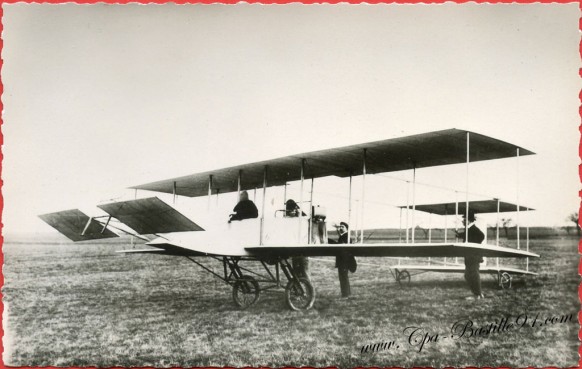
101, 97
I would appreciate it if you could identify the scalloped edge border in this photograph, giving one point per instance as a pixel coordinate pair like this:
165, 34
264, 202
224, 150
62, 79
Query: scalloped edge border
282, 2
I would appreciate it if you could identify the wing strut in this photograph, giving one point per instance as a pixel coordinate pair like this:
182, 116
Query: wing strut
106, 224
301, 197
350, 211
363, 192
87, 226
413, 200
467, 192
517, 194
263, 206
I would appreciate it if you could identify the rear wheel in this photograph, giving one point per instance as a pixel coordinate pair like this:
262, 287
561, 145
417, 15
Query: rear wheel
245, 292
403, 277
505, 280
300, 294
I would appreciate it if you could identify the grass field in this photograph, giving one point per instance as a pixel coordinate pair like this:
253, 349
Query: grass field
84, 305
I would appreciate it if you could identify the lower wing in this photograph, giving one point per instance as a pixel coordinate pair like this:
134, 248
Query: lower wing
390, 250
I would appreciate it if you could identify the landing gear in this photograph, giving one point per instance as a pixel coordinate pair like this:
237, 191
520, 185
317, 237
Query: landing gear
246, 289
299, 294
245, 292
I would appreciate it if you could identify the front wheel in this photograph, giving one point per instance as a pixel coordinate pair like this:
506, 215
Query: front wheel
300, 294
245, 292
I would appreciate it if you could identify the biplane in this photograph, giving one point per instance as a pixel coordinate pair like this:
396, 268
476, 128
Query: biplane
503, 273
273, 241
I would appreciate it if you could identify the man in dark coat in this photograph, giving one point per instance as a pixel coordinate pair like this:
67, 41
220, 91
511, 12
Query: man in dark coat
245, 209
344, 262
472, 262
343, 232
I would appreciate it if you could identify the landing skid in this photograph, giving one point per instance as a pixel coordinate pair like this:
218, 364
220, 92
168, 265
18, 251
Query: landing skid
503, 277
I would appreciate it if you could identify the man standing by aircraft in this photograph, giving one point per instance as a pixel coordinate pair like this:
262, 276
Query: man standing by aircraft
472, 276
344, 262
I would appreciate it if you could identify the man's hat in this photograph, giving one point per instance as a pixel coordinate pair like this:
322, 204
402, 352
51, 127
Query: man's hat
471, 216
291, 205
345, 225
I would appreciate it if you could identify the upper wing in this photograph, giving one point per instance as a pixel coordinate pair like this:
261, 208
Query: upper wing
390, 249
419, 151
478, 207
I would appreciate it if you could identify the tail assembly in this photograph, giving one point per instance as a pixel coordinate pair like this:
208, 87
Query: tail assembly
143, 216
77, 226
150, 216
